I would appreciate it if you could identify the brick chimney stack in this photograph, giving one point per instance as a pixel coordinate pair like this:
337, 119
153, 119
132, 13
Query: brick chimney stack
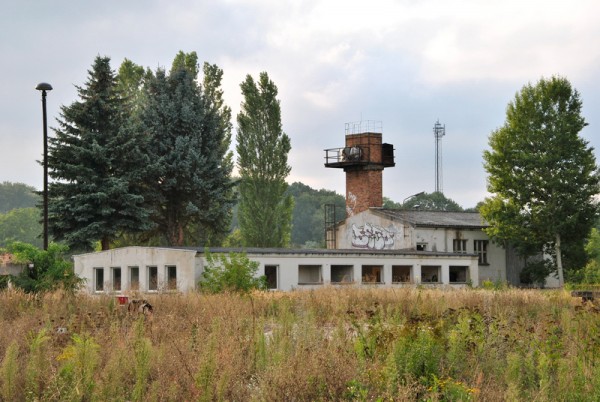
363, 159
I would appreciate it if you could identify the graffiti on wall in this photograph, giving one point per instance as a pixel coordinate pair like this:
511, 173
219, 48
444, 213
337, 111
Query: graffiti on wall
371, 237
350, 203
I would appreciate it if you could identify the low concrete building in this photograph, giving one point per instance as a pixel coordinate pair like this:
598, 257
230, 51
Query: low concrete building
151, 269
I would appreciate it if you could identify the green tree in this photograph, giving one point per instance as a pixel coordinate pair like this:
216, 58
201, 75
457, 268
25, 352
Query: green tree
542, 175
215, 234
130, 82
265, 212
186, 61
21, 224
45, 270
233, 272
96, 162
17, 195
190, 184
435, 201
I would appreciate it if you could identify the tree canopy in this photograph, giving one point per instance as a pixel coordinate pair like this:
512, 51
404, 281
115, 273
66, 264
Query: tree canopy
188, 136
97, 166
265, 211
541, 173
435, 201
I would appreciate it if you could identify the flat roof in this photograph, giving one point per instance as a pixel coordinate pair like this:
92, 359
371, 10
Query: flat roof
330, 252
441, 219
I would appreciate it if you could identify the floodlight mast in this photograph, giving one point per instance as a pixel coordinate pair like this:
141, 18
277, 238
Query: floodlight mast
438, 131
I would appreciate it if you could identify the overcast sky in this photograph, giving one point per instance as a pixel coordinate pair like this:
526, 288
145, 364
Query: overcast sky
405, 63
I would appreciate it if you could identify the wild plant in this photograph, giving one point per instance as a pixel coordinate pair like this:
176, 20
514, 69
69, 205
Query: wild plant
10, 372
37, 364
142, 348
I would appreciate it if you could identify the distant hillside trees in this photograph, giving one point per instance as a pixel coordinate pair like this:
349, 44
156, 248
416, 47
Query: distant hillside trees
96, 164
308, 218
17, 195
265, 211
542, 174
21, 224
19, 216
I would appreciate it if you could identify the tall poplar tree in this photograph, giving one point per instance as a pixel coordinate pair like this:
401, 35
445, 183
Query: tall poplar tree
190, 186
265, 212
96, 163
542, 175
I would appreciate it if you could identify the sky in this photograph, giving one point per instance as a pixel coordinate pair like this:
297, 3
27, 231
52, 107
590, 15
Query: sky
404, 63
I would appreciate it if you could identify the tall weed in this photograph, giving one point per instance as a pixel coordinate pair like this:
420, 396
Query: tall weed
10, 372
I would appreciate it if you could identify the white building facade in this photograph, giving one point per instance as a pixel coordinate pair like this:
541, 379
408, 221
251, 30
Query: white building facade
436, 231
149, 269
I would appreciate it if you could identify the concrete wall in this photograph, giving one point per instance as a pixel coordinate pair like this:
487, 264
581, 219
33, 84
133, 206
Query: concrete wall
288, 271
187, 267
295, 270
372, 232
291, 272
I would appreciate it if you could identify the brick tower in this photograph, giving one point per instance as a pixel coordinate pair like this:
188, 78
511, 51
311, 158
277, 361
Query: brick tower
363, 158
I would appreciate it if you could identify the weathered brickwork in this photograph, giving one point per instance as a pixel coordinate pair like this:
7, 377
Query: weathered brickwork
370, 143
363, 190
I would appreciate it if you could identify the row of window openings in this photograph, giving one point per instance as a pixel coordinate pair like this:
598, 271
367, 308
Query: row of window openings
134, 278
312, 274
480, 247
307, 274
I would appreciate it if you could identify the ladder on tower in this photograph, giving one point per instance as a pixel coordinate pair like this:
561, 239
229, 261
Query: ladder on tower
330, 226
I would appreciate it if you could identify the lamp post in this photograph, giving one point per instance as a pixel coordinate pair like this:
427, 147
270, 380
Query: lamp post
43, 86
414, 195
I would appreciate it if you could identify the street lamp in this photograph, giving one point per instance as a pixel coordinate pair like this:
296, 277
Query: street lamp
414, 195
44, 86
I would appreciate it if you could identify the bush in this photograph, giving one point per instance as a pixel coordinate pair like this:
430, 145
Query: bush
234, 272
46, 269
536, 272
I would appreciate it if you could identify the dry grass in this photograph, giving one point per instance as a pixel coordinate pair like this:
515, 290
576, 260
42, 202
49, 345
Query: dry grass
330, 344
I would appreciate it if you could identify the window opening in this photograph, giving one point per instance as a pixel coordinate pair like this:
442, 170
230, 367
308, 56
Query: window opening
459, 246
372, 273
99, 279
152, 278
342, 273
459, 274
134, 278
430, 274
401, 273
481, 247
116, 278
271, 276
171, 277
309, 274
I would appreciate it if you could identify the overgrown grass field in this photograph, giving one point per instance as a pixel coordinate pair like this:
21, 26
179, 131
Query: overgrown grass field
330, 344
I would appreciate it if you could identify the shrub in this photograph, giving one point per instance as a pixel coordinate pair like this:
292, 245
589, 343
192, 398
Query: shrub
234, 272
46, 269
